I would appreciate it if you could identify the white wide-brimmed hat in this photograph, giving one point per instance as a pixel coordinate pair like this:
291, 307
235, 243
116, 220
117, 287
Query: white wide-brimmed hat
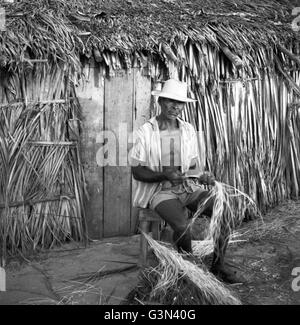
174, 89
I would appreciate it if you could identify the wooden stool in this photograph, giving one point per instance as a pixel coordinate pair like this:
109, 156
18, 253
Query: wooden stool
149, 222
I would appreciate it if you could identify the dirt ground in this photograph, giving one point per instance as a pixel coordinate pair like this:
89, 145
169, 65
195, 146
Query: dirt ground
107, 271
101, 274
267, 259
264, 262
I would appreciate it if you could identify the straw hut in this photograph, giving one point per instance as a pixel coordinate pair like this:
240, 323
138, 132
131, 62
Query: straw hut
71, 69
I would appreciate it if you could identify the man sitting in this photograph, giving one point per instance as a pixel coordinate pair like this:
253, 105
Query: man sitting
164, 157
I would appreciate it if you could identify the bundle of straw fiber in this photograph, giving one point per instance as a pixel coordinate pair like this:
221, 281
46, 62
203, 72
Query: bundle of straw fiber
229, 209
205, 247
198, 285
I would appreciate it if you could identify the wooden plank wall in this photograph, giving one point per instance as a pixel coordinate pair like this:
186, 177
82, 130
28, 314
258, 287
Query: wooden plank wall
91, 98
117, 179
119, 104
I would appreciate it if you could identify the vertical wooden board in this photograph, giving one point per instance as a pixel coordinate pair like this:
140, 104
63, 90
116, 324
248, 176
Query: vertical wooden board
141, 113
91, 98
142, 85
117, 179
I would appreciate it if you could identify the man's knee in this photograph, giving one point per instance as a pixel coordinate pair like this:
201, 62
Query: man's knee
178, 225
174, 214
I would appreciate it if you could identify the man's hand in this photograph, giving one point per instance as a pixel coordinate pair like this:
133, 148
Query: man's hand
174, 176
207, 179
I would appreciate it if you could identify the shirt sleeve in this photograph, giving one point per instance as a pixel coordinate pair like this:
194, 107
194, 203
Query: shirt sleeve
138, 154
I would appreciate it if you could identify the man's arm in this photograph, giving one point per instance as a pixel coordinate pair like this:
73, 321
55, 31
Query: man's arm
145, 174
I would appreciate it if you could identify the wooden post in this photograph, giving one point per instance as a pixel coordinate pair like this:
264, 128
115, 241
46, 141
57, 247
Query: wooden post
155, 229
148, 219
143, 242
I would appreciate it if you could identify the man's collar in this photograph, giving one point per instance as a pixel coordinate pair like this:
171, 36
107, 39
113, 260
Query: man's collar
153, 122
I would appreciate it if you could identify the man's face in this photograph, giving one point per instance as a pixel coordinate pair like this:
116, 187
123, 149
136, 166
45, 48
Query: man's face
171, 108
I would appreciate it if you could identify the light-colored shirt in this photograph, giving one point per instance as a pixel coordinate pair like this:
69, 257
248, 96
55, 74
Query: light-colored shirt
147, 152
170, 148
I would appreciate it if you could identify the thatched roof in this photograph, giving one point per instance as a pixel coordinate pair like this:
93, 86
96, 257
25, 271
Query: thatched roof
61, 29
